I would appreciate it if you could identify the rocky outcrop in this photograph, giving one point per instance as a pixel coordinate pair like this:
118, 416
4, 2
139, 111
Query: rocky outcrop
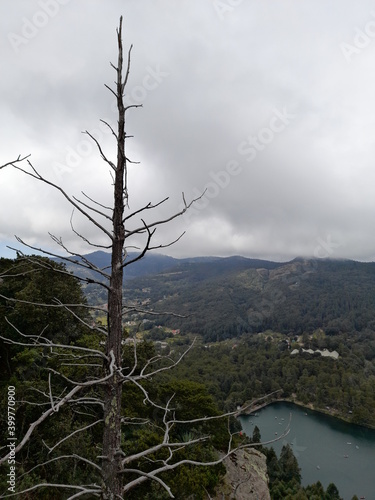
246, 477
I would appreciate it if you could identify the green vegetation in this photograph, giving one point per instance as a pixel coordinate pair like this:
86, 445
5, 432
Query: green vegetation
35, 280
250, 367
230, 297
285, 476
191, 400
31, 281
252, 314
29, 371
214, 377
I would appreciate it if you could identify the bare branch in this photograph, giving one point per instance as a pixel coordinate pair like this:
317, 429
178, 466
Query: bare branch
65, 259
144, 476
112, 91
134, 421
128, 66
74, 433
147, 398
94, 210
36, 342
94, 381
132, 161
110, 163
110, 128
83, 490
135, 358
25, 273
91, 365
57, 303
84, 261
173, 447
164, 444
63, 457
50, 392
153, 475
108, 370
12, 163
87, 325
144, 375
145, 249
86, 240
96, 202
133, 106
36, 175
149, 206
86, 400
133, 309
41, 419
140, 230
168, 244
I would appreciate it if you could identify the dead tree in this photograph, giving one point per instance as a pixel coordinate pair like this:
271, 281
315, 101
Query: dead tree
119, 226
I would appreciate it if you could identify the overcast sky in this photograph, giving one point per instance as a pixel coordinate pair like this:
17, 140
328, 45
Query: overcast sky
269, 106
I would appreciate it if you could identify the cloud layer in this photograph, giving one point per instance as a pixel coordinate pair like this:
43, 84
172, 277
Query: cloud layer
267, 108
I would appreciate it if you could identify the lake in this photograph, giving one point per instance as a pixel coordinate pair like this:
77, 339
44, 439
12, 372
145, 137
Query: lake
327, 449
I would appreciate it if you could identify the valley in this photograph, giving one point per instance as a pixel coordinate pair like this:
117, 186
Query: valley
250, 317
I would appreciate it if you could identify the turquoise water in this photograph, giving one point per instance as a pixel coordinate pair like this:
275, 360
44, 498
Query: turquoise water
327, 449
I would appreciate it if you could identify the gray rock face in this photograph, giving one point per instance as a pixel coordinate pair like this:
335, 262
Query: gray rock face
246, 477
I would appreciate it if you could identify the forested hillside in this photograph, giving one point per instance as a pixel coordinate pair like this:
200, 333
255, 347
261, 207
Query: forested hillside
222, 301
33, 326
239, 370
26, 286
214, 377
252, 314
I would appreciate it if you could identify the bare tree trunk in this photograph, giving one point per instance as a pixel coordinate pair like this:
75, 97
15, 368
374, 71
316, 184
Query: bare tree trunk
113, 389
112, 465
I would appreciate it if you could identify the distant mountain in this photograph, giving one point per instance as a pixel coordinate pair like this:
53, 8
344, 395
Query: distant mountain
229, 297
226, 297
153, 263
150, 264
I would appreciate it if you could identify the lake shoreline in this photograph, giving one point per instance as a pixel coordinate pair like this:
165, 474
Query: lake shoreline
328, 450
309, 406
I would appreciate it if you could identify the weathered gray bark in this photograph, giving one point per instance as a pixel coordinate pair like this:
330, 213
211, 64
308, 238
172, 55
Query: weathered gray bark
112, 464
113, 389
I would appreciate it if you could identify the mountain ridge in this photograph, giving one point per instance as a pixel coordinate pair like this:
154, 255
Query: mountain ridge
155, 263
294, 297
224, 297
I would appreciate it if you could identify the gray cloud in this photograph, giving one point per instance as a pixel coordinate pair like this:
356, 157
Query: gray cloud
214, 78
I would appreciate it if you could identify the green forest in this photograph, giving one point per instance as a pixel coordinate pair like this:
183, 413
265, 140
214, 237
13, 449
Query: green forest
229, 297
214, 377
238, 370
